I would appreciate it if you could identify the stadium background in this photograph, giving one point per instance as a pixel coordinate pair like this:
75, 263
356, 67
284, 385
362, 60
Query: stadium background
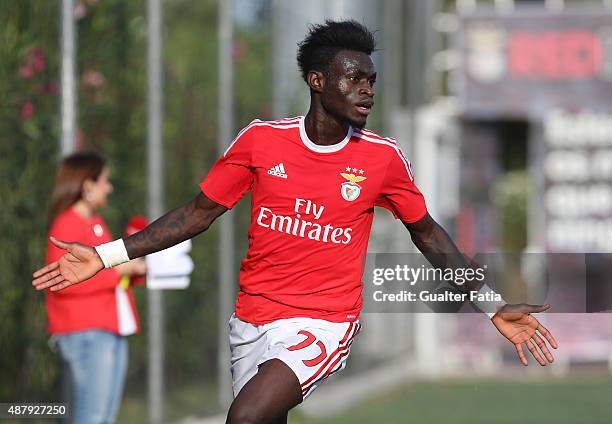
470, 148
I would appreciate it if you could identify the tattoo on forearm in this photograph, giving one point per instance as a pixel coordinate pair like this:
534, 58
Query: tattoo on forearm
174, 227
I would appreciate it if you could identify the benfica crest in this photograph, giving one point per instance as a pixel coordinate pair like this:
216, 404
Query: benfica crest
349, 189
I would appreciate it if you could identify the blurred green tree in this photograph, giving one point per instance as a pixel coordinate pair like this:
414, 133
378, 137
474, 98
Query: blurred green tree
29, 127
112, 119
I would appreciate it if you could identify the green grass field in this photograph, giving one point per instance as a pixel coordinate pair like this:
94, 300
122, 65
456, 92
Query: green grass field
567, 401
584, 400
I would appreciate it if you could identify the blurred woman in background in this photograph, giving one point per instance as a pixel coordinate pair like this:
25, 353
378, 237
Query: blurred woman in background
89, 322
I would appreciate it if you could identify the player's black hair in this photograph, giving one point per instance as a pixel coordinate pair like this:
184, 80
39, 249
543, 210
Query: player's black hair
324, 41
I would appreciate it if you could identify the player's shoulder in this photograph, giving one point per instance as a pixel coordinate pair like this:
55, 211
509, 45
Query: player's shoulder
371, 140
259, 125
383, 148
259, 131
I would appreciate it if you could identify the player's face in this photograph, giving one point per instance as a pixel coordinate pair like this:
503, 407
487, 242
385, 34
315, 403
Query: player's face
348, 93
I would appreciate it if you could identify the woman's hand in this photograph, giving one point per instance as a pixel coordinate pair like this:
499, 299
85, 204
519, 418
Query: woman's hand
135, 267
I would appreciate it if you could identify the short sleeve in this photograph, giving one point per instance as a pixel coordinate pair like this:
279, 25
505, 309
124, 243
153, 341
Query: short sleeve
399, 193
231, 176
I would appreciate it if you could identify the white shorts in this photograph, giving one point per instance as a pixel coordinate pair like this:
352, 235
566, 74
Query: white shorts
313, 348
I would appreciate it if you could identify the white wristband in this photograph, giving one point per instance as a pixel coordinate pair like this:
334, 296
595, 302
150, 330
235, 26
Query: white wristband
112, 253
488, 307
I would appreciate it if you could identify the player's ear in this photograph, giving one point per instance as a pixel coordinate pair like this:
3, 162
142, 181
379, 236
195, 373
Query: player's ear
316, 81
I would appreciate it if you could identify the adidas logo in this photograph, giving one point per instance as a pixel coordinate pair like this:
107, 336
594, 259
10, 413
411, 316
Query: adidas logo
278, 171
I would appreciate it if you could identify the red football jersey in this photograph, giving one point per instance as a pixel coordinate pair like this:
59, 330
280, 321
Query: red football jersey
312, 210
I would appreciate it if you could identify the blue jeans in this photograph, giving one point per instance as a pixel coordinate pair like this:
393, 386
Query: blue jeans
94, 365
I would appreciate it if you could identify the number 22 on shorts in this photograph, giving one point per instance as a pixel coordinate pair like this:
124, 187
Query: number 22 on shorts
310, 339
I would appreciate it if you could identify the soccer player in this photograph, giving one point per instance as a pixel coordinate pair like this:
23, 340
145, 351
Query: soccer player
314, 182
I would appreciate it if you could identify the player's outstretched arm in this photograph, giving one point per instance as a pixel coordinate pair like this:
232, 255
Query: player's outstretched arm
513, 321
82, 262
431, 239
178, 225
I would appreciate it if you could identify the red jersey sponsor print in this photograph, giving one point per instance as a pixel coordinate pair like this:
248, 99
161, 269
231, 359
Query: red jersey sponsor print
312, 210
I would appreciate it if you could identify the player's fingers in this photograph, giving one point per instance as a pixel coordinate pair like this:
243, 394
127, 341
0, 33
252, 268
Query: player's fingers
521, 354
45, 269
535, 352
543, 331
53, 274
52, 282
59, 243
61, 286
538, 340
45, 278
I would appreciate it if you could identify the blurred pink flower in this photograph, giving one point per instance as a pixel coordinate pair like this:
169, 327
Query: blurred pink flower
36, 59
50, 88
93, 78
239, 51
25, 72
80, 10
79, 139
27, 110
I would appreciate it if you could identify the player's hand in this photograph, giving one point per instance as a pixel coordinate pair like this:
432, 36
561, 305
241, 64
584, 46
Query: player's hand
79, 263
516, 324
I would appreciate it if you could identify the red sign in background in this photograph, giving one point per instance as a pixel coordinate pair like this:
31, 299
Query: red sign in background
526, 63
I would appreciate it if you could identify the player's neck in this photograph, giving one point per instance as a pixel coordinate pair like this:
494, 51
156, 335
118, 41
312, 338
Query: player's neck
323, 129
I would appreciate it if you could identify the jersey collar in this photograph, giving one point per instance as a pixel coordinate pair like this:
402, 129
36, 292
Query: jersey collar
323, 149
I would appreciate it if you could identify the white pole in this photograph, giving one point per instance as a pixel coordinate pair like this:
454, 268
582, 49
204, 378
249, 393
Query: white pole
392, 65
555, 5
155, 199
338, 9
68, 77
227, 273
504, 5
466, 6
281, 88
